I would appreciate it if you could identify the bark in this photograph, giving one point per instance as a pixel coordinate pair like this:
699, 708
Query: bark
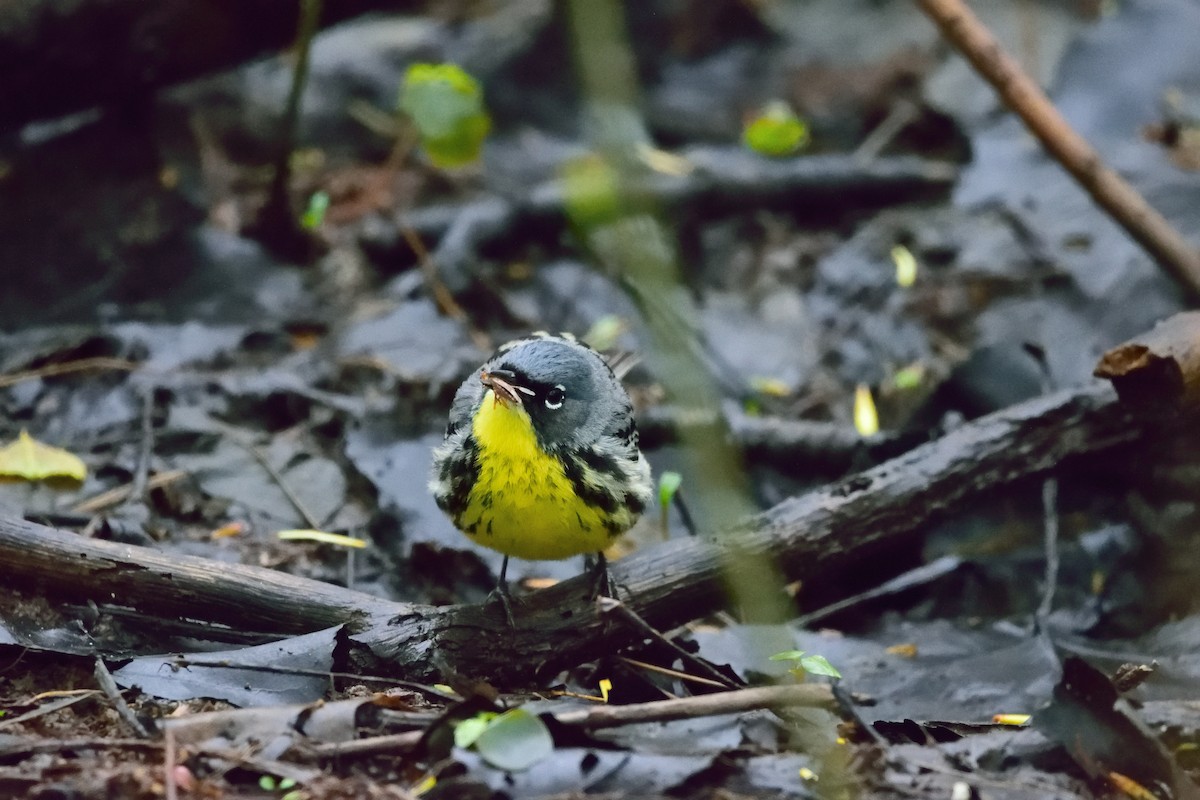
1160, 370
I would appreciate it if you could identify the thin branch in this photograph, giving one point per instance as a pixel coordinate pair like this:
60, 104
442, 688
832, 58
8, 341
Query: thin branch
104, 680
68, 367
111, 497
615, 608
812, 695
1022, 94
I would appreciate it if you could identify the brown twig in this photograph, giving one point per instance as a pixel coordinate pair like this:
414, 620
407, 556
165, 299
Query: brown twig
60, 701
82, 365
674, 673
104, 680
615, 608
172, 789
1022, 94
437, 287
813, 695
21, 748
809, 695
116, 494
293, 498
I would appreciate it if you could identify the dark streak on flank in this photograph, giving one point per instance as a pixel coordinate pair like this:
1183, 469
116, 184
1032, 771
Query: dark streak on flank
461, 471
592, 495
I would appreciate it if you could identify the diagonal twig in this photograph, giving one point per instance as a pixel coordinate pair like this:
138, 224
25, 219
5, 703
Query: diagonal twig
1110, 191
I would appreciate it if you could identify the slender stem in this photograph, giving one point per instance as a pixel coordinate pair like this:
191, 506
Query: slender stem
1022, 94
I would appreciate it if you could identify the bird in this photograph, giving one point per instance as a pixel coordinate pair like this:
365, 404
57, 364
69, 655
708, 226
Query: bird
540, 459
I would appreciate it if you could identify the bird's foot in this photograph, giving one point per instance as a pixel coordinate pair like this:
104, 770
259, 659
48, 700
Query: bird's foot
500, 595
602, 581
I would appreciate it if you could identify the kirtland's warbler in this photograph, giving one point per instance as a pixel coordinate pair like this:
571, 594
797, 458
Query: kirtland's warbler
541, 457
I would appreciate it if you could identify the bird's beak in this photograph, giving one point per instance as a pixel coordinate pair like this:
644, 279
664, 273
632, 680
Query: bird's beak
501, 382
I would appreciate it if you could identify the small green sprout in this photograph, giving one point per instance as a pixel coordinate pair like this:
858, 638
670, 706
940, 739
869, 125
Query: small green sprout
446, 105
314, 215
668, 486
269, 783
591, 191
807, 664
909, 377
469, 730
776, 131
604, 332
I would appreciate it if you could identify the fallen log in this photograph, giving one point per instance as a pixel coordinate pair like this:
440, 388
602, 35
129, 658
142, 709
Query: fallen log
557, 627
721, 179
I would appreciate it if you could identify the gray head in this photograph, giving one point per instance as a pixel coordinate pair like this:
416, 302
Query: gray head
569, 392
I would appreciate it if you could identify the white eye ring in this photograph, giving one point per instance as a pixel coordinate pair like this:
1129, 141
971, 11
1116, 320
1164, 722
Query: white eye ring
561, 394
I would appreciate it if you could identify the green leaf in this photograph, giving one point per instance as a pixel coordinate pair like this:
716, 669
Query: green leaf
909, 377
514, 741
788, 655
446, 105
314, 215
604, 332
287, 783
267, 783
776, 131
591, 191
668, 485
819, 665
469, 730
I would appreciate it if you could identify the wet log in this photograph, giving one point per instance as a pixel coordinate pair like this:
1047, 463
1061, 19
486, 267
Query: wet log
721, 179
62, 56
1160, 370
557, 627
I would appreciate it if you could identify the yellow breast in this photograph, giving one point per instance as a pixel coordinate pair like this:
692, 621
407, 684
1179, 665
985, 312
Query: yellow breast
523, 504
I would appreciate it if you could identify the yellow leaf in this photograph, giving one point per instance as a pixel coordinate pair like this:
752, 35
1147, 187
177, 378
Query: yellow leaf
1011, 719
1130, 787
906, 265
31, 460
538, 583
322, 537
424, 785
605, 688
866, 418
235, 528
771, 387
664, 162
907, 650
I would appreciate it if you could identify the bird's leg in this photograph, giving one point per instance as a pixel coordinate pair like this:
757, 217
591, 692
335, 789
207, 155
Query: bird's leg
500, 594
602, 582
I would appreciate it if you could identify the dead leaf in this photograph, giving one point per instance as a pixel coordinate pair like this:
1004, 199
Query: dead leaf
31, 460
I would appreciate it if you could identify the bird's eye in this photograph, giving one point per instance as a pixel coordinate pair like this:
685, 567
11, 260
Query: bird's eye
555, 397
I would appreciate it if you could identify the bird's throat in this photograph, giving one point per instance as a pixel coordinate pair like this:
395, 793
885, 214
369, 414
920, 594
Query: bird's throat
504, 427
